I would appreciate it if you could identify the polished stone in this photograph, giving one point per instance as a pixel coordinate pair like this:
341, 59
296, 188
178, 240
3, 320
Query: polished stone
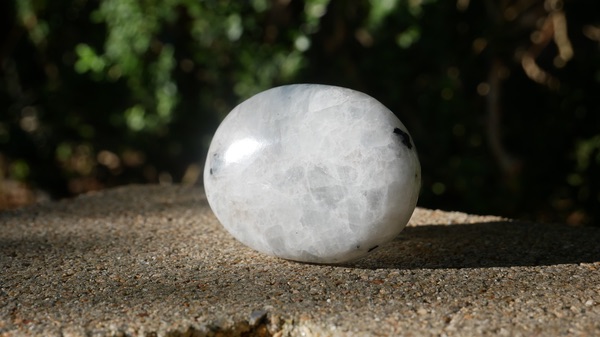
312, 173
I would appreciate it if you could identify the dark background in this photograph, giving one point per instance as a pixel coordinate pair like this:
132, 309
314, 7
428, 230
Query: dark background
501, 97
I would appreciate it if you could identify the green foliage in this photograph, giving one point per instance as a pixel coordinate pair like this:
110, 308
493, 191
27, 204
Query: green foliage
104, 93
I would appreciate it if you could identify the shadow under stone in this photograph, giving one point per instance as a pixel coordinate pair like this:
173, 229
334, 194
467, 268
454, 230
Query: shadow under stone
484, 245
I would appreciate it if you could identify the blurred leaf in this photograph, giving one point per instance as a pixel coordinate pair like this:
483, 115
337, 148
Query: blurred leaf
136, 118
588, 152
88, 60
408, 37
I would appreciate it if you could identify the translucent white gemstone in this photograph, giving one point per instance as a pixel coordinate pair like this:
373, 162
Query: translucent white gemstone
312, 173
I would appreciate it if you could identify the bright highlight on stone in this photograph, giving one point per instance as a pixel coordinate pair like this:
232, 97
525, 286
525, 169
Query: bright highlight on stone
312, 173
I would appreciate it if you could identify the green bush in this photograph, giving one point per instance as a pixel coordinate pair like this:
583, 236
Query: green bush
500, 98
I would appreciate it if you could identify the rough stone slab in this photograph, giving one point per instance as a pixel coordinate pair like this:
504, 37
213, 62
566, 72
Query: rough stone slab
154, 261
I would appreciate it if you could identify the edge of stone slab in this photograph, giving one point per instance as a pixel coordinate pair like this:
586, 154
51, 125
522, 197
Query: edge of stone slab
420, 216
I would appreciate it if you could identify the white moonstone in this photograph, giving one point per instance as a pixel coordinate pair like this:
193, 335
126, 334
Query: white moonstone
312, 173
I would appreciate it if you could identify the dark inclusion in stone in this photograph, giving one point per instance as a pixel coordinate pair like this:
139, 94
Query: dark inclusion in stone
404, 137
373, 248
215, 164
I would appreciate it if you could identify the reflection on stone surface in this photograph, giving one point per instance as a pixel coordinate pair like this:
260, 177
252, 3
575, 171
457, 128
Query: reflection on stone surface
241, 149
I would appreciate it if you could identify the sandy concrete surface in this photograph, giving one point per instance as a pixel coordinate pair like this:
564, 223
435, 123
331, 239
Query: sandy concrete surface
154, 261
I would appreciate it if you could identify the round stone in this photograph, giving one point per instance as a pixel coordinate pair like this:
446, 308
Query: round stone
312, 173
